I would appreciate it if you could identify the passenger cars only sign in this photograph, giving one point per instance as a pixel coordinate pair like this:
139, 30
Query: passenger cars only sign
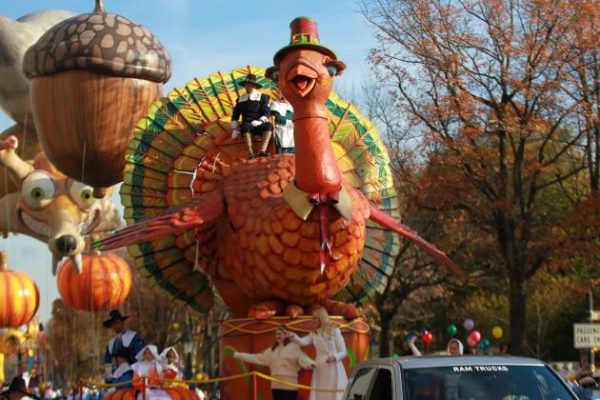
586, 336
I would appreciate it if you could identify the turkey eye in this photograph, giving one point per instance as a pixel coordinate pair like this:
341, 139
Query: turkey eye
272, 73
37, 190
332, 69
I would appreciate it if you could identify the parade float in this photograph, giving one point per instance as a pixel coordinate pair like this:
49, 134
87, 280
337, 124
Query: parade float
271, 237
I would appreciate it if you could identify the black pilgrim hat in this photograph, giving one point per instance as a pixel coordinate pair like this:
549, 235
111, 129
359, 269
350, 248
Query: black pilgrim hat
114, 315
17, 385
251, 78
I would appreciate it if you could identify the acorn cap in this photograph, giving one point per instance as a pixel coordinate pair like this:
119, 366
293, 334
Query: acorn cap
304, 33
101, 42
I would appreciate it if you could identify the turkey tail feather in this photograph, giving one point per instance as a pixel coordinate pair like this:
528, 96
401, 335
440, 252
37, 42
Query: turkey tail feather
388, 222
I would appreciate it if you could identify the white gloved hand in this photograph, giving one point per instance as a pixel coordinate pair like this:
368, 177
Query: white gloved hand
256, 123
107, 369
234, 124
235, 133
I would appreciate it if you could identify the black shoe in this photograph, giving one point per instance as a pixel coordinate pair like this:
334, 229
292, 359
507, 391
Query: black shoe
251, 156
263, 154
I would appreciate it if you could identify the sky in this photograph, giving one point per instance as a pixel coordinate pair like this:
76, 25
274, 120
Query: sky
204, 36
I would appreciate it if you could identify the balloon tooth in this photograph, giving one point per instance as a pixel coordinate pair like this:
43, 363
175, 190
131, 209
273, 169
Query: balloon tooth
55, 260
77, 261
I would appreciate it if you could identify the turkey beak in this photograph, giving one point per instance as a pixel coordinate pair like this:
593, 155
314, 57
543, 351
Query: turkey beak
302, 78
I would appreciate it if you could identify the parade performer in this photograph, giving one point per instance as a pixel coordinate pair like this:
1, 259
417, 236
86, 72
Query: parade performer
170, 363
122, 374
284, 359
454, 347
16, 391
127, 341
148, 366
253, 108
331, 350
283, 113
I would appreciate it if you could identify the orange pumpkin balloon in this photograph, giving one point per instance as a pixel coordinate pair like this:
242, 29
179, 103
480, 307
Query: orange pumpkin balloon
19, 296
103, 284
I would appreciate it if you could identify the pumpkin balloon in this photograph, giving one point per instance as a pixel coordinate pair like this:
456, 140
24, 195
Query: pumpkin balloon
20, 296
93, 77
103, 284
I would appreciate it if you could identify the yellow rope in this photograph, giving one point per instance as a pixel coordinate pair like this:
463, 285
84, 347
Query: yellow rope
222, 379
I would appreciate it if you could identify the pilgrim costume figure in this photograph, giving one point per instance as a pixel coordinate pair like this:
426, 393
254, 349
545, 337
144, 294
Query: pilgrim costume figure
125, 341
17, 390
253, 108
170, 364
149, 367
122, 374
283, 114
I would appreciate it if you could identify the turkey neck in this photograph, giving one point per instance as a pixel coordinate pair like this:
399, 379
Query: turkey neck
316, 168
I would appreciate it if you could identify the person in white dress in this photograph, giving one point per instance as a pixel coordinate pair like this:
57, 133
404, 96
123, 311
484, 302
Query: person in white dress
283, 115
331, 351
284, 359
150, 368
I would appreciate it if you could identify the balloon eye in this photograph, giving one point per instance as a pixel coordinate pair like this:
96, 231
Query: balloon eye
275, 75
81, 194
332, 69
37, 193
37, 190
86, 194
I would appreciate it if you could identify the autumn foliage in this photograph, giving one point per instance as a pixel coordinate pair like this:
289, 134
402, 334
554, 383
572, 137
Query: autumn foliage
505, 95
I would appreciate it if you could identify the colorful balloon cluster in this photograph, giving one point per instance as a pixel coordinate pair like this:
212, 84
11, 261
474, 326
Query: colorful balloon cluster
475, 338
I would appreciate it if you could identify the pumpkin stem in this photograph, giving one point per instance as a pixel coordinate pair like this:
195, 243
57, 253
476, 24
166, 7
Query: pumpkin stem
99, 9
3, 261
95, 252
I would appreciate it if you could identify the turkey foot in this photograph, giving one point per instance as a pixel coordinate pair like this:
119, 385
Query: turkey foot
266, 309
271, 308
294, 311
334, 307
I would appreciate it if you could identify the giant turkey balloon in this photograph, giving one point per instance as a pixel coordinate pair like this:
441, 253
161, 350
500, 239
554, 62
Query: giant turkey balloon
93, 77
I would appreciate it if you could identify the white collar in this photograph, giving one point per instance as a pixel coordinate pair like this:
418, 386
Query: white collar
121, 370
253, 95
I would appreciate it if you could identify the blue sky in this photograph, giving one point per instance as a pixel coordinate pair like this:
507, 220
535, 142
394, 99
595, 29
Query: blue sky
204, 36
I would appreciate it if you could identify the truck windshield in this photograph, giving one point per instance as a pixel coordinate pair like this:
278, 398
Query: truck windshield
485, 382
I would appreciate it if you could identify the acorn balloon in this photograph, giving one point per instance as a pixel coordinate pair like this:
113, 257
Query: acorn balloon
21, 297
93, 77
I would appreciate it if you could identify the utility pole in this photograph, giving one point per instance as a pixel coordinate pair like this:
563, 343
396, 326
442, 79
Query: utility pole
591, 306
